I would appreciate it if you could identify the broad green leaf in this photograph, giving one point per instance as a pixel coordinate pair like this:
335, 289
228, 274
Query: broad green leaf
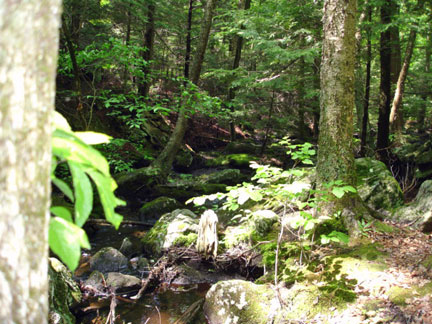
62, 212
60, 122
255, 195
69, 147
338, 192
83, 193
341, 237
350, 189
92, 138
243, 197
106, 186
65, 240
64, 187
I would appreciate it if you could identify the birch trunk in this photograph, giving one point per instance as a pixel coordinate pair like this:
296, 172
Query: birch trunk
29, 32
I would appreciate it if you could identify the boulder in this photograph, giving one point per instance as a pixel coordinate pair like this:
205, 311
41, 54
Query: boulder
121, 282
63, 293
419, 212
258, 224
183, 161
238, 160
179, 227
377, 186
107, 260
154, 209
240, 302
96, 281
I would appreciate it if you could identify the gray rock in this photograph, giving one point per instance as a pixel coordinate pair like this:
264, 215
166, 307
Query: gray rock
121, 282
127, 248
377, 186
95, 281
419, 212
179, 227
107, 260
63, 293
157, 207
240, 302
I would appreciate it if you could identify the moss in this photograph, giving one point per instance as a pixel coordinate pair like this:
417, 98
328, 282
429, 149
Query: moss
399, 296
241, 160
234, 235
427, 263
186, 240
383, 227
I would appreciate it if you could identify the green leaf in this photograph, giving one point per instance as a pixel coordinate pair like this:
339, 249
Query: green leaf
243, 197
92, 138
338, 192
69, 147
106, 186
62, 212
60, 122
83, 193
64, 187
65, 240
255, 195
350, 189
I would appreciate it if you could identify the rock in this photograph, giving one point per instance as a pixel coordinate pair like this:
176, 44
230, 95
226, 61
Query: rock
258, 224
122, 282
183, 160
154, 209
240, 302
188, 274
178, 227
107, 260
242, 147
95, 281
377, 186
241, 160
419, 212
63, 293
140, 264
227, 176
127, 248
184, 191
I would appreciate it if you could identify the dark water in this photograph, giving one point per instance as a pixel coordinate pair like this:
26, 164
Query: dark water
164, 306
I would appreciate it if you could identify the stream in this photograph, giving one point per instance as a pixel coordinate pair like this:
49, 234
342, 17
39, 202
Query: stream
165, 305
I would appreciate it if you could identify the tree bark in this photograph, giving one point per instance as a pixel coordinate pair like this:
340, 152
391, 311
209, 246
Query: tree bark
335, 148
165, 159
29, 33
365, 118
147, 53
383, 143
422, 111
238, 47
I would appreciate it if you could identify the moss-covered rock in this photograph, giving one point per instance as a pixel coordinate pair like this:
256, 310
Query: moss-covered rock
63, 293
377, 186
183, 160
154, 209
419, 211
172, 228
107, 260
240, 302
240, 160
399, 295
242, 147
121, 282
184, 191
257, 225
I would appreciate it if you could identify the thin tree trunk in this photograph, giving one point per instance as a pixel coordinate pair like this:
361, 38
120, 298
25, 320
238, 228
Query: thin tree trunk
396, 114
165, 159
268, 126
29, 32
147, 53
127, 42
236, 63
365, 118
75, 69
422, 111
385, 85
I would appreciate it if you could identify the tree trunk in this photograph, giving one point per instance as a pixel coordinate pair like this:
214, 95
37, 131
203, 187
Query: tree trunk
422, 111
385, 86
365, 118
147, 53
165, 159
335, 148
29, 32
396, 114
236, 63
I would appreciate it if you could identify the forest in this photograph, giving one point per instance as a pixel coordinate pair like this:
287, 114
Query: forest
215, 161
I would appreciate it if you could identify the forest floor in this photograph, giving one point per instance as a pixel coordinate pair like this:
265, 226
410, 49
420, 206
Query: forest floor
407, 251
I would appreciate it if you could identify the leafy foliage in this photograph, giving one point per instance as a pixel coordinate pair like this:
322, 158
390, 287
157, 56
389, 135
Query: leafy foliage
85, 163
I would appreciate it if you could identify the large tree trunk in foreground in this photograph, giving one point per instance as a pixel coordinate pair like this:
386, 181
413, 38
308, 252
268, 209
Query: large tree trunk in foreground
335, 149
28, 40
422, 110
